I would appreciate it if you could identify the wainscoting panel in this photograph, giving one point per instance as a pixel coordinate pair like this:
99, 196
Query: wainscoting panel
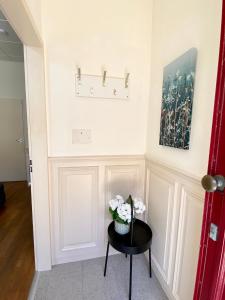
175, 206
80, 190
161, 215
78, 203
187, 244
126, 179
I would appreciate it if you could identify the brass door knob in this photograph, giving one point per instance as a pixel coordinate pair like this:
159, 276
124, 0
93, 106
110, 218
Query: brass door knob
213, 183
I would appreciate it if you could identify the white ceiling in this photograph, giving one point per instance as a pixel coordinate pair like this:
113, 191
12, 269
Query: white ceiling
11, 48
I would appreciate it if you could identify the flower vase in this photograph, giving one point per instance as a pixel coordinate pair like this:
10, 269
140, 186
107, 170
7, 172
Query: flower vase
121, 228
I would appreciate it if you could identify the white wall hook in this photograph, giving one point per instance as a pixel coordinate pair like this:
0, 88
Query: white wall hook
78, 73
127, 80
104, 78
94, 86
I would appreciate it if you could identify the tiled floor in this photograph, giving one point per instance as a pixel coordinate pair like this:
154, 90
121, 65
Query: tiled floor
85, 281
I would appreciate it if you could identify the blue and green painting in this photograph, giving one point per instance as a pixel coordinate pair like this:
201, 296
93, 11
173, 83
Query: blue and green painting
177, 99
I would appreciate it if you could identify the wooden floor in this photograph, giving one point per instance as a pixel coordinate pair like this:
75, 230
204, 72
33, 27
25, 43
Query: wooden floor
16, 243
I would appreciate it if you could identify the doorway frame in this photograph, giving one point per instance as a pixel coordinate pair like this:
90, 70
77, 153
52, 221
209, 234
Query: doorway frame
20, 18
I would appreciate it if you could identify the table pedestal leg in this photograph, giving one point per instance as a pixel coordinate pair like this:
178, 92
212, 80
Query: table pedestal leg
150, 263
130, 286
106, 258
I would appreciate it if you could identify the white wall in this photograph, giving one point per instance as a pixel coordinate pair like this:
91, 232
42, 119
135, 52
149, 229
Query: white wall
115, 34
35, 7
177, 27
12, 84
175, 198
36, 110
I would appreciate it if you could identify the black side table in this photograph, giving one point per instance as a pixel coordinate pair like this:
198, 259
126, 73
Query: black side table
2, 195
137, 241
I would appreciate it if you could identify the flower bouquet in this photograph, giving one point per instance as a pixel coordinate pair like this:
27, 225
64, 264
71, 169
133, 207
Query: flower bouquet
121, 212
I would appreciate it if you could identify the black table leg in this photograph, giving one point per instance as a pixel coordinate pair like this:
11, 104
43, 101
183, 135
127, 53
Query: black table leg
106, 258
126, 255
130, 286
150, 263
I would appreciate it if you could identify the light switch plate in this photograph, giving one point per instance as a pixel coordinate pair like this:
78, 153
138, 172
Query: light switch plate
81, 136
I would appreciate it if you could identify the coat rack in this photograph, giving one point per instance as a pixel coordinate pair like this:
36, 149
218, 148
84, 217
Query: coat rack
107, 87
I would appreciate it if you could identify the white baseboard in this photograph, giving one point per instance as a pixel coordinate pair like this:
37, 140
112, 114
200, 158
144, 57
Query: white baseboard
33, 287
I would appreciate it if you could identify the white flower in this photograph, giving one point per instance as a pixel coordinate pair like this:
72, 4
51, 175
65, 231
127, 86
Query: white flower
128, 218
139, 206
113, 204
120, 199
124, 211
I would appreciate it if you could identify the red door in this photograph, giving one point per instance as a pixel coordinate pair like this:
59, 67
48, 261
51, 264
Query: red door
210, 280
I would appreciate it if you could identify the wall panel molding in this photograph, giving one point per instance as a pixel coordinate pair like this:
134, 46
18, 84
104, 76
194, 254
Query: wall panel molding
175, 203
80, 231
86, 177
161, 217
128, 179
187, 243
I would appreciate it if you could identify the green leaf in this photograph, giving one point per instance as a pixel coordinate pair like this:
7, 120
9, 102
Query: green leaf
115, 216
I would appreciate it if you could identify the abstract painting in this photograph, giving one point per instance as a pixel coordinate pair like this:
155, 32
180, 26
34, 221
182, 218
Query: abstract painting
177, 99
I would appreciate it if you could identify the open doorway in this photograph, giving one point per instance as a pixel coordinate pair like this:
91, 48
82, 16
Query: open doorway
16, 233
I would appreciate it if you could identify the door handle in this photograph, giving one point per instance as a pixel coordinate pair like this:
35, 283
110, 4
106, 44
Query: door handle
213, 183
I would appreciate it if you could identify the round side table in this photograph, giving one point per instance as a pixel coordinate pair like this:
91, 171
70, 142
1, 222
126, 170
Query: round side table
137, 241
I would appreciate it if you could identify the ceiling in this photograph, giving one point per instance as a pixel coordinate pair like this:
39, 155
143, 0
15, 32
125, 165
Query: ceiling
11, 48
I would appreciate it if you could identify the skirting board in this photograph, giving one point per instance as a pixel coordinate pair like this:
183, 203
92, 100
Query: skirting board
33, 287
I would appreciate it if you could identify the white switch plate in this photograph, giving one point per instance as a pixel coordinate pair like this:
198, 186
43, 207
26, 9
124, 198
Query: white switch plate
81, 136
